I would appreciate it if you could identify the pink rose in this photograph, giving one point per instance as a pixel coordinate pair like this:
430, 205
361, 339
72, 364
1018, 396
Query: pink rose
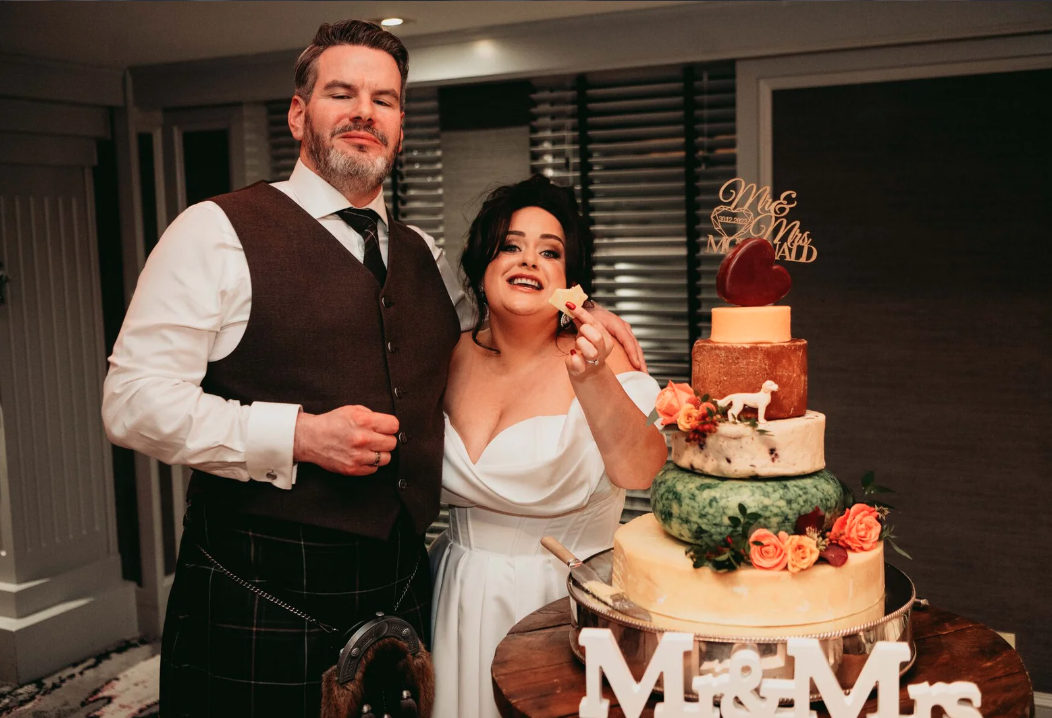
767, 551
858, 529
802, 551
671, 400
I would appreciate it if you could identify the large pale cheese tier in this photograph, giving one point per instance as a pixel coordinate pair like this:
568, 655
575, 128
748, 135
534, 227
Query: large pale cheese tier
775, 469
655, 572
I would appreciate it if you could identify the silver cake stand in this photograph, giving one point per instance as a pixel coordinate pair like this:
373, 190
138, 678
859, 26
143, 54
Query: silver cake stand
846, 649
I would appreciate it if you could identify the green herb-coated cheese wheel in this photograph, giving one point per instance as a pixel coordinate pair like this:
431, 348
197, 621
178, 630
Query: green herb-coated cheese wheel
695, 507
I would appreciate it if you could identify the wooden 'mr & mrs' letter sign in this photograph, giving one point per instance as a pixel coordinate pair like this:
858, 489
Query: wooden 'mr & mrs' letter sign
745, 693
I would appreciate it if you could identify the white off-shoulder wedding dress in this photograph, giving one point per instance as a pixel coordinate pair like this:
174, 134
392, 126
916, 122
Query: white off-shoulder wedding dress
540, 477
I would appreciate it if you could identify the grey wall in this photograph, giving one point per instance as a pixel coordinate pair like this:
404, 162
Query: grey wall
927, 316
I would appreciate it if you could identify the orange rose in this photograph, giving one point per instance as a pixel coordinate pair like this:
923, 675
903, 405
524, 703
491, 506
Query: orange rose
707, 407
858, 529
770, 554
688, 418
671, 400
802, 551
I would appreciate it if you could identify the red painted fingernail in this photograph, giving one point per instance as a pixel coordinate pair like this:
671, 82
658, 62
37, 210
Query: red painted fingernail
571, 306
573, 351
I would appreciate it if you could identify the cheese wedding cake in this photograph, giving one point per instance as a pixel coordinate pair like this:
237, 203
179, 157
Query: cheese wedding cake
750, 534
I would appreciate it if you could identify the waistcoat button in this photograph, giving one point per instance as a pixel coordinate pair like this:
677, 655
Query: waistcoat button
399, 392
392, 347
402, 437
403, 484
386, 301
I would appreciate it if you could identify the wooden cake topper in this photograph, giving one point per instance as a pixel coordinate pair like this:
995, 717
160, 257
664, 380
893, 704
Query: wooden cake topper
751, 212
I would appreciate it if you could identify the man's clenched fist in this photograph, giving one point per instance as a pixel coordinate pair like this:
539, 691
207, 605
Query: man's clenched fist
351, 440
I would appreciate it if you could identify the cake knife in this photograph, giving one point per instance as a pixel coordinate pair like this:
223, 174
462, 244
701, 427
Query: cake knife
593, 584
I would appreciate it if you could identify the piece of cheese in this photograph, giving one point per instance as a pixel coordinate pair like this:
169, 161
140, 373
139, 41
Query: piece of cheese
750, 325
693, 506
786, 447
560, 297
722, 369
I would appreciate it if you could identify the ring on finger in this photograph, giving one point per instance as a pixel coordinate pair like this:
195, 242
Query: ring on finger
593, 362
377, 462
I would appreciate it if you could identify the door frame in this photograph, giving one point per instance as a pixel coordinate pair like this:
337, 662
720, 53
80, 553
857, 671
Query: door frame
758, 79
174, 124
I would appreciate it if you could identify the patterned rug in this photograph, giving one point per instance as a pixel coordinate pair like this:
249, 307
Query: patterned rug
121, 683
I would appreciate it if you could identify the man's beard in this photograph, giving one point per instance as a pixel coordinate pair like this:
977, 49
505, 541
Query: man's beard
350, 171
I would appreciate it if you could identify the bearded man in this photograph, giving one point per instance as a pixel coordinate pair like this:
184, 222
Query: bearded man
290, 343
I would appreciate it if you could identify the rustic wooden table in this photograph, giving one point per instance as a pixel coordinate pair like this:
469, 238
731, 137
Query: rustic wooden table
535, 674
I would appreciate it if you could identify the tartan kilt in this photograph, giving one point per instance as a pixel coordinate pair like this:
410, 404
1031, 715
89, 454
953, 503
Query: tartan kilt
226, 651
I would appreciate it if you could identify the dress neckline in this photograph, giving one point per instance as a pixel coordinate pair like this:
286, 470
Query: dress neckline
620, 376
499, 434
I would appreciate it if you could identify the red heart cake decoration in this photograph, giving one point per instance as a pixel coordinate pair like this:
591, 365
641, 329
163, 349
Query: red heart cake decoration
749, 277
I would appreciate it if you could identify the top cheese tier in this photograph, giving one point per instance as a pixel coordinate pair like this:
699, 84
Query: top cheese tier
750, 325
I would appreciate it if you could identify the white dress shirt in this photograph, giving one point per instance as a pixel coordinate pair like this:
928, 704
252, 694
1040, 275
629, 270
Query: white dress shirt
191, 306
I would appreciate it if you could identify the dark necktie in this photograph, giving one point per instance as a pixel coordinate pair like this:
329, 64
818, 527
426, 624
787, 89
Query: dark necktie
363, 221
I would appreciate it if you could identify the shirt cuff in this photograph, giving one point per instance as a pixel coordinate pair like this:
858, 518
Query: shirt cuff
269, 439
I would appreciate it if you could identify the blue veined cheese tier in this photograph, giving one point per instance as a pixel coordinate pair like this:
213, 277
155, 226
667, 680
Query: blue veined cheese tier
786, 447
692, 506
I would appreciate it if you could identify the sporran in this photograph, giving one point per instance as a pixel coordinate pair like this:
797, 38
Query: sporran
384, 670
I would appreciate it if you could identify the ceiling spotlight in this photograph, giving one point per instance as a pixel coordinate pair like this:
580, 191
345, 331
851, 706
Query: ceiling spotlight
391, 21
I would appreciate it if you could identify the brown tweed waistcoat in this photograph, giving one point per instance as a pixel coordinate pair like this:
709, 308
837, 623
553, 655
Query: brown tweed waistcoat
324, 334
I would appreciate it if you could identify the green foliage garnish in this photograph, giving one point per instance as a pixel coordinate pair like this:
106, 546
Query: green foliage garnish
869, 488
887, 534
732, 551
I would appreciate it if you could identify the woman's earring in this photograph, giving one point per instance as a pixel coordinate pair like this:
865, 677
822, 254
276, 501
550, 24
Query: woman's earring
565, 320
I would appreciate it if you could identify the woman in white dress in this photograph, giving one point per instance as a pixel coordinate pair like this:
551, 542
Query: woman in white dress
545, 429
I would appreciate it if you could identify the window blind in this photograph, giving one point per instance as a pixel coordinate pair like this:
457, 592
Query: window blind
715, 161
417, 178
284, 149
635, 194
646, 152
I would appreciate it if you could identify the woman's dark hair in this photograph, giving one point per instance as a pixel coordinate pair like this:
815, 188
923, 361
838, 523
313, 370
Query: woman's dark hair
490, 230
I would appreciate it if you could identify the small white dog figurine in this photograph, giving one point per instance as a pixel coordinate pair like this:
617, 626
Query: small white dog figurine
759, 400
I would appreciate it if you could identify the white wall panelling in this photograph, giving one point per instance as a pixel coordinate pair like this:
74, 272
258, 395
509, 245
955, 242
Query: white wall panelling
59, 560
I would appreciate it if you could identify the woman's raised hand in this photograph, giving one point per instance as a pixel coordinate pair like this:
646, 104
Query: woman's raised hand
593, 346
